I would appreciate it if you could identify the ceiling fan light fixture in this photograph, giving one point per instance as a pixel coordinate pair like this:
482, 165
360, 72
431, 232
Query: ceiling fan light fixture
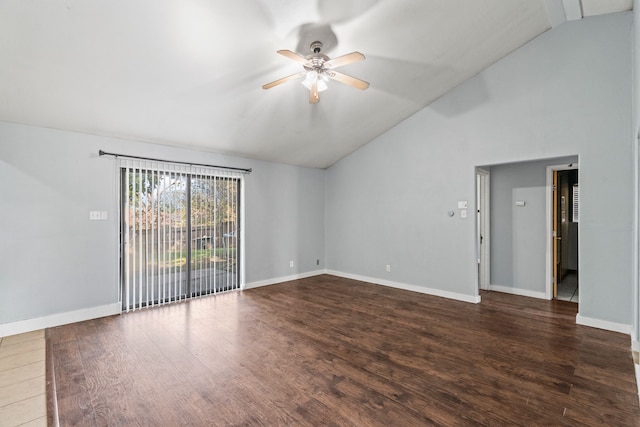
318, 69
313, 77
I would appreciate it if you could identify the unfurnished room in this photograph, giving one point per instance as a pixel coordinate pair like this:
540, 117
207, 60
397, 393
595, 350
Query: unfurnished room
319, 212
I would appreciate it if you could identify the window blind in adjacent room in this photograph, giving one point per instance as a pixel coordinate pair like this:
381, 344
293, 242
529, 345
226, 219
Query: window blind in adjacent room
576, 203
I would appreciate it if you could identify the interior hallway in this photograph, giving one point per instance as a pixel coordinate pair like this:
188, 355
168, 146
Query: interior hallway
568, 288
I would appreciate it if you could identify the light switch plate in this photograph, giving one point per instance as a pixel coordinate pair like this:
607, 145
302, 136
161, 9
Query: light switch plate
462, 204
463, 213
94, 215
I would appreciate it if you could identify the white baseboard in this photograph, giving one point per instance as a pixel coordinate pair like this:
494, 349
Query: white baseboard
603, 324
423, 290
115, 308
635, 346
59, 319
404, 286
518, 291
283, 279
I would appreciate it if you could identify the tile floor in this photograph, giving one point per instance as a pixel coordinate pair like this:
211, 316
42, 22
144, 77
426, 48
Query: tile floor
22, 380
568, 288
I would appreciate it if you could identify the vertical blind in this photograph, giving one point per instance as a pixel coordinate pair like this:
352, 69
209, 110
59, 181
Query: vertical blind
180, 229
576, 203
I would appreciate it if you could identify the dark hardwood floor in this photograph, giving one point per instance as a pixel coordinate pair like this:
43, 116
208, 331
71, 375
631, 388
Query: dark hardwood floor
336, 352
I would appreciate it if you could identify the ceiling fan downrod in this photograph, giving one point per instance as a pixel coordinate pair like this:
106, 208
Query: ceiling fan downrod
316, 47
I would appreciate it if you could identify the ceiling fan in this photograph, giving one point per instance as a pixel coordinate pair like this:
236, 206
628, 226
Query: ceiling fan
318, 69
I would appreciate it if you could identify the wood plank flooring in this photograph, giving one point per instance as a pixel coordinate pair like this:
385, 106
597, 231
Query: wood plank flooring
337, 352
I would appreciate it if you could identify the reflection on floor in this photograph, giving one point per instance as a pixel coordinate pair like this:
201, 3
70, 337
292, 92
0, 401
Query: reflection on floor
568, 288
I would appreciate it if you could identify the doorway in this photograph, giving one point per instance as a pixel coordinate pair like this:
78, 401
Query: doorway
564, 219
482, 228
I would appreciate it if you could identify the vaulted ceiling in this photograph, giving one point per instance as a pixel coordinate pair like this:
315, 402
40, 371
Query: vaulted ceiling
189, 73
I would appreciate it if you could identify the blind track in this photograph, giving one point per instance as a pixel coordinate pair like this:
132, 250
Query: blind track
104, 153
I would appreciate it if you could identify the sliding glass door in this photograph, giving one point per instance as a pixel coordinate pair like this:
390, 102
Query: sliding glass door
180, 229
214, 228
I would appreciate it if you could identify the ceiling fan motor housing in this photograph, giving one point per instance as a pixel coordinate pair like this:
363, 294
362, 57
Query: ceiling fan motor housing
316, 62
316, 59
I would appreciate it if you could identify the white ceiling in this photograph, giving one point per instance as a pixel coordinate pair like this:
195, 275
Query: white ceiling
189, 73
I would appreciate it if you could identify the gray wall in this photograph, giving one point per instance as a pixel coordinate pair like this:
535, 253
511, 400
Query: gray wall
564, 93
54, 260
518, 233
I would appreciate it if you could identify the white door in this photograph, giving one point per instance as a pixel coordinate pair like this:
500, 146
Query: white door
482, 227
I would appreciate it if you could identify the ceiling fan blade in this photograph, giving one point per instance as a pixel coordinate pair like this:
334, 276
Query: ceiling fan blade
314, 94
283, 80
344, 60
294, 56
348, 80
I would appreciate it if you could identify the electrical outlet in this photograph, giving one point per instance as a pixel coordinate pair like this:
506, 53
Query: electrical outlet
388, 268
291, 263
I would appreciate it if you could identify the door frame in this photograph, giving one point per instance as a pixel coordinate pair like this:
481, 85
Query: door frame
483, 224
549, 217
